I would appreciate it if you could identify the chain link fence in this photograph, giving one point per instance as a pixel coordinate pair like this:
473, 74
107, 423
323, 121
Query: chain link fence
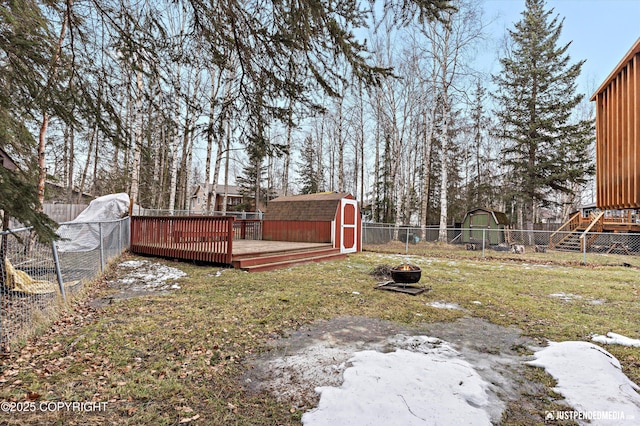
138, 211
36, 279
598, 248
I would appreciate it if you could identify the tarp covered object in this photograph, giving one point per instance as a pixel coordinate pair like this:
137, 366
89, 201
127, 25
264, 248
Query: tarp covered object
107, 207
83, 233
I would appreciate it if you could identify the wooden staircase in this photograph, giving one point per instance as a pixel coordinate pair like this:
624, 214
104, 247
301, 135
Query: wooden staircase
573, 234
572, 242
269, 260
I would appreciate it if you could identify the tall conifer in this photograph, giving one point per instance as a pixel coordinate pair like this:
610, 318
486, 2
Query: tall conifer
545, 147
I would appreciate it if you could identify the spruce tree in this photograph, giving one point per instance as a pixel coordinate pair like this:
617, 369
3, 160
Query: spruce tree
24, 42
545, 148
307, 171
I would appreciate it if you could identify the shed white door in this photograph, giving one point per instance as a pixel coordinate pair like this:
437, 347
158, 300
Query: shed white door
349, 229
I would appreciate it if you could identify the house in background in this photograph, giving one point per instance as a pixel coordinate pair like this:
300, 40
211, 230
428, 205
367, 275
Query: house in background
55, 193
198, 202
6, 161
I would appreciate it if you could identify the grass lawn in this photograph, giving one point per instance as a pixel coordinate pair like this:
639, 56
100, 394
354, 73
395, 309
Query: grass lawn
167, 359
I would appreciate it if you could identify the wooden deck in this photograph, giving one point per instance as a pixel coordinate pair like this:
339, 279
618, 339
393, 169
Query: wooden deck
258, 255
580, 233
213, 240
253, 247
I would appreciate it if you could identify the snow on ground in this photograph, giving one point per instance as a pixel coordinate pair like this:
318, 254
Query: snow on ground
592, 382
149, 276
567, 297
445, 305
615, 339
426, 382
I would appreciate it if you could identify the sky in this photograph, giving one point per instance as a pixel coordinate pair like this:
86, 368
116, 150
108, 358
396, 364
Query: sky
600, 31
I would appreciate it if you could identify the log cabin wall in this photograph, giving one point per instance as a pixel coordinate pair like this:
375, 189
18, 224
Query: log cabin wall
618, 135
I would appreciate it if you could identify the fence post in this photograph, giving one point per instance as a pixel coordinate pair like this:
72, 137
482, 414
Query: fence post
406, 243
101, 247
484, 232
584, 249
56, 262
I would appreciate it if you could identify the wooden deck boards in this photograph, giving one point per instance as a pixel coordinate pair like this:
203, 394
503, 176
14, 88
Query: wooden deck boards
250, 247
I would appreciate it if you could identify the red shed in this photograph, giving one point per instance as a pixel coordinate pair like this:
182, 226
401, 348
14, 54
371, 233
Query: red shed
329, 217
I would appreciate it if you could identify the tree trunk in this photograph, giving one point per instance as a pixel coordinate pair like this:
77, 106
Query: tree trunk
174, 171
42, 140
287, 154
340, 147
426, 167
444, 176
226, 170
92, 141
137, 142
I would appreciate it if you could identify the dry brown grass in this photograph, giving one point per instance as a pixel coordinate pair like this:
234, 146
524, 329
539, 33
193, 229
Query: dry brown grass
166, 359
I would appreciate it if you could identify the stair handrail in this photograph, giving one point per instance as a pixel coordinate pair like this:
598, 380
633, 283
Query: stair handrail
572, 224
598, 220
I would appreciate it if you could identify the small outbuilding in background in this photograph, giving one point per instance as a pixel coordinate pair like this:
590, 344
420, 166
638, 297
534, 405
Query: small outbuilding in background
492, 222
330, 217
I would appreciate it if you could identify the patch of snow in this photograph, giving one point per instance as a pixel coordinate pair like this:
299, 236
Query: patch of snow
149, 276
591, 381
477, 302
427, 383
597, 302
567, 297
355, 292
615, 339
444, 305
133, 263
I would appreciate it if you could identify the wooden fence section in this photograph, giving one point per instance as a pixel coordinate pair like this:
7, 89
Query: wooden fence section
206, 238
297, 230
63, 212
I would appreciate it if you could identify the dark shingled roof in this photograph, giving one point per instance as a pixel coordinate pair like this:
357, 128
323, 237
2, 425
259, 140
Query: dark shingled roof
499, 217
312, 207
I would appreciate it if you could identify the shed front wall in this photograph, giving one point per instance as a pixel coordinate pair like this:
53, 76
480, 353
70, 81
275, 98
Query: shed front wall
479, 224
618, 139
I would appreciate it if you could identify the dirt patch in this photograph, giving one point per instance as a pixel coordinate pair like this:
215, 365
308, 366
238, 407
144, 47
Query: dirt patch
135, 278
317, 355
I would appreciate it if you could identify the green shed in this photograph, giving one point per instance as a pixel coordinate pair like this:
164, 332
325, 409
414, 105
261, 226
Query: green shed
479, 219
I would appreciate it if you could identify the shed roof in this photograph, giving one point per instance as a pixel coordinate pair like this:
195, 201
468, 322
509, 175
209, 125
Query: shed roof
499, 217
312, 207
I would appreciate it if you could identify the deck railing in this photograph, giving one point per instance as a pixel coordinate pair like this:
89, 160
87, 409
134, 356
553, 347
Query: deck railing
203, 238
596, 226
247, 229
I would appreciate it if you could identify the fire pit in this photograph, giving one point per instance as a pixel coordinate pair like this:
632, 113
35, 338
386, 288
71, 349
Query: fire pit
403, 277
406, 274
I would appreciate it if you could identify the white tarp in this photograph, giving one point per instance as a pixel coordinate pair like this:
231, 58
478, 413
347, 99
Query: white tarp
83, 233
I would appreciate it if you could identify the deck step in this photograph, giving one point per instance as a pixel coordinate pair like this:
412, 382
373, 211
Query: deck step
268, 266
248, 260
